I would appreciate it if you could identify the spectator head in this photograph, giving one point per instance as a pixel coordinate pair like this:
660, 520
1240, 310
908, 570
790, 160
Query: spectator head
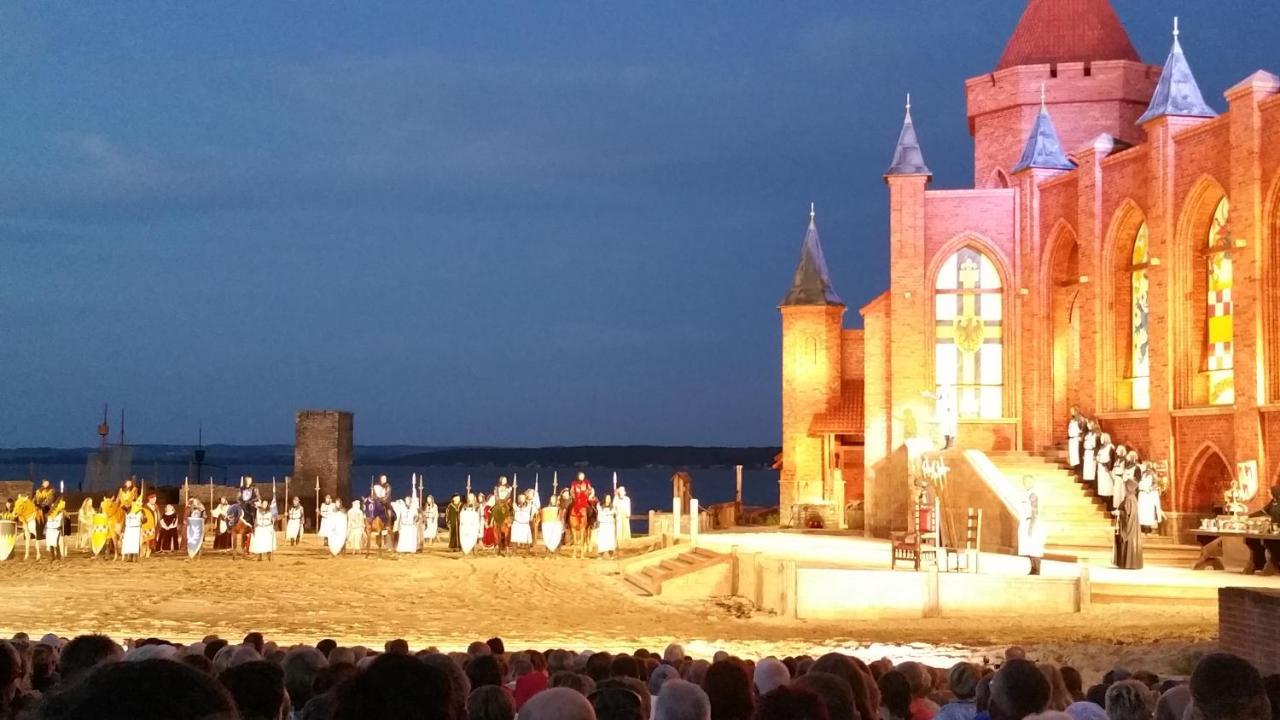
577, 682
11, 670
1075, 684
1272, 682
558, 661
866, 694
559, 703
1148, 678
963, 679
895, 693
199, 663
660, 676
157, 689
478, 648
1173, 704
1227, 687
682, 700
83, 654
255, 640
399, 646
599, 666
1018, 689
837, 696
326, 646
393, 687
213, 647
919, 677
1014, 652
491, 702
521, 667
1086, 710
258, 690
791, 702
728, 686
624, 666
484, 670
301, 667
1129, 700
496, 646
673, 654
771, 673
614, 700
635, 686
459, 685
695, 671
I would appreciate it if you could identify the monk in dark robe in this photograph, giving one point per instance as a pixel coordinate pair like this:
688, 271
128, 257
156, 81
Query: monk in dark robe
1128, 530
451, 515
1259, 548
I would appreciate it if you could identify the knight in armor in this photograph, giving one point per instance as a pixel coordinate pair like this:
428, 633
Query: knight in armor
150, 523
500, 518
452, 513
127, 494
293, 521
249, 499
195, 525
566, 507
167, 537
45, 497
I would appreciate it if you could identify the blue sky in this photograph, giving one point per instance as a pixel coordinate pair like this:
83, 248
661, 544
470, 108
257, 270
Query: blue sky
470, 223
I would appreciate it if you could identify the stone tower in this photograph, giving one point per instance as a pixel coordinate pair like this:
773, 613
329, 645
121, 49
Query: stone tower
1095, 79
323, 450
812, 317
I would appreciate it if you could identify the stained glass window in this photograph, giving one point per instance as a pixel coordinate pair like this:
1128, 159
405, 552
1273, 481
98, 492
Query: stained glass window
1220, 333
1140, 356
969, 350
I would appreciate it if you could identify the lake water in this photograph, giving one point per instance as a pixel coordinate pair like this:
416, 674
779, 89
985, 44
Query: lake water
649, 488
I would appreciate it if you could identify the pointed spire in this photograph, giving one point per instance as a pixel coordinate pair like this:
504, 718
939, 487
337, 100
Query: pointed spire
1044, 149
1061, 31
811, 284
908, 159
1177, 93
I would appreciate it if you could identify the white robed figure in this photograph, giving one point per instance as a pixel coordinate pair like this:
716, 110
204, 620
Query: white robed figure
1032, 532
1090, 445
431, 520
131, 541
1150, 514
522, 526
53, 530
1105, 457
1075, 433
293, 522
407, 522
263, 541
607, 538
469, 525
355, 526
622, 514
326, 518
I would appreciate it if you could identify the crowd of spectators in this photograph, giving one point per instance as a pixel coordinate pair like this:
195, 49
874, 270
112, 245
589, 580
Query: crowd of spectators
92, 676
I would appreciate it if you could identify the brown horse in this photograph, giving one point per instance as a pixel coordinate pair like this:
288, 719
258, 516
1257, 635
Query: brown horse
579, 528
378, 519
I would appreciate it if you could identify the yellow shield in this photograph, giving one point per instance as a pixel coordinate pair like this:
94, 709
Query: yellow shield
101, 531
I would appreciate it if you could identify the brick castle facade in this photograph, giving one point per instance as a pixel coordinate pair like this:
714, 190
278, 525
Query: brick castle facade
1119, 251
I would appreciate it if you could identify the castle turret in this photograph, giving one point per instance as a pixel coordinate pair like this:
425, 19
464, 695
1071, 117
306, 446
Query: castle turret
812, 318
1097, 82
1177, 93
1043, 150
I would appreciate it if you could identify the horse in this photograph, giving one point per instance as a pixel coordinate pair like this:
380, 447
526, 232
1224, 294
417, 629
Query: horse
239, 528
377, 524
580, 529
115, 513
503, 518
29, 520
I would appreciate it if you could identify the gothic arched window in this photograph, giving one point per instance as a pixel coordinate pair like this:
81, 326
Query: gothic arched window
969, 349
1219, 361
1140, 353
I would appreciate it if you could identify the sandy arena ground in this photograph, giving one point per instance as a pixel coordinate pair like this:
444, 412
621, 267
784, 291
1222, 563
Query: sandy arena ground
444, 600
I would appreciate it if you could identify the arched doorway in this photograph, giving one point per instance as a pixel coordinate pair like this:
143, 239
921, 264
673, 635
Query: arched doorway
1064, 328
1203, 487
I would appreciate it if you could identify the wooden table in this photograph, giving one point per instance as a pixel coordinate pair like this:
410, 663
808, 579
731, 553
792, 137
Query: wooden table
1211, 542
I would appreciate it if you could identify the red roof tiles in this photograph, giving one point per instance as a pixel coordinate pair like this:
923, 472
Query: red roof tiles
1057, 31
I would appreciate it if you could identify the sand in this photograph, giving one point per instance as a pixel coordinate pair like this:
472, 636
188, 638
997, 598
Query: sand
444, 600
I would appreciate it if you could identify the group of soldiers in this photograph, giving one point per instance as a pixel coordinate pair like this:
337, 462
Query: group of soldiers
131, 525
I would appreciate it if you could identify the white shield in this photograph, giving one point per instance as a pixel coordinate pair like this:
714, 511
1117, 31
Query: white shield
337, 536
468, 530
195, 535
8, 538
552, 532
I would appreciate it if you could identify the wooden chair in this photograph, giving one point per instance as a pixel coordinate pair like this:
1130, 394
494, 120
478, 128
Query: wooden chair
972, 548
921, 540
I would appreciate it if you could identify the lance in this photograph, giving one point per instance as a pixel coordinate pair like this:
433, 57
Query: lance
615, 482
515, 484
468, 483
210, 493
537, 501
555, 483
186, 490
317, 503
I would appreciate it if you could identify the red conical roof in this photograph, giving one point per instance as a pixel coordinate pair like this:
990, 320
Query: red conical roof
1057, 31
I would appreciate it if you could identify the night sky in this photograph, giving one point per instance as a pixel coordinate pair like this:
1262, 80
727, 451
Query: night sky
469, 223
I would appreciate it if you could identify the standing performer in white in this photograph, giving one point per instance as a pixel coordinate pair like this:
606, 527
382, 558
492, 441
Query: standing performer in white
607, 538
431, 520
407, 520
1031, 529
293, 522
622, 515
1075, 430
131, 541
263, 541
1105, 455
522, 527
1090, 471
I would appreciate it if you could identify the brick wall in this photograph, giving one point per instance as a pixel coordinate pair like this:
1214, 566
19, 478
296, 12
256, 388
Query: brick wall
1205, 461
323, 449
1249, 626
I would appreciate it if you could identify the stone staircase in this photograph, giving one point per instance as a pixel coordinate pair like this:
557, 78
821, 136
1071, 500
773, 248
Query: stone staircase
666, 568
1080, 522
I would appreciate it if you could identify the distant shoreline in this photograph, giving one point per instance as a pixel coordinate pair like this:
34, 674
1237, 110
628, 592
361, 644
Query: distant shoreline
618, 456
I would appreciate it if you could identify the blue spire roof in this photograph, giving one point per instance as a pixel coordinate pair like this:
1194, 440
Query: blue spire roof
908, 159
811, 284
1044, 149
1177, 93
